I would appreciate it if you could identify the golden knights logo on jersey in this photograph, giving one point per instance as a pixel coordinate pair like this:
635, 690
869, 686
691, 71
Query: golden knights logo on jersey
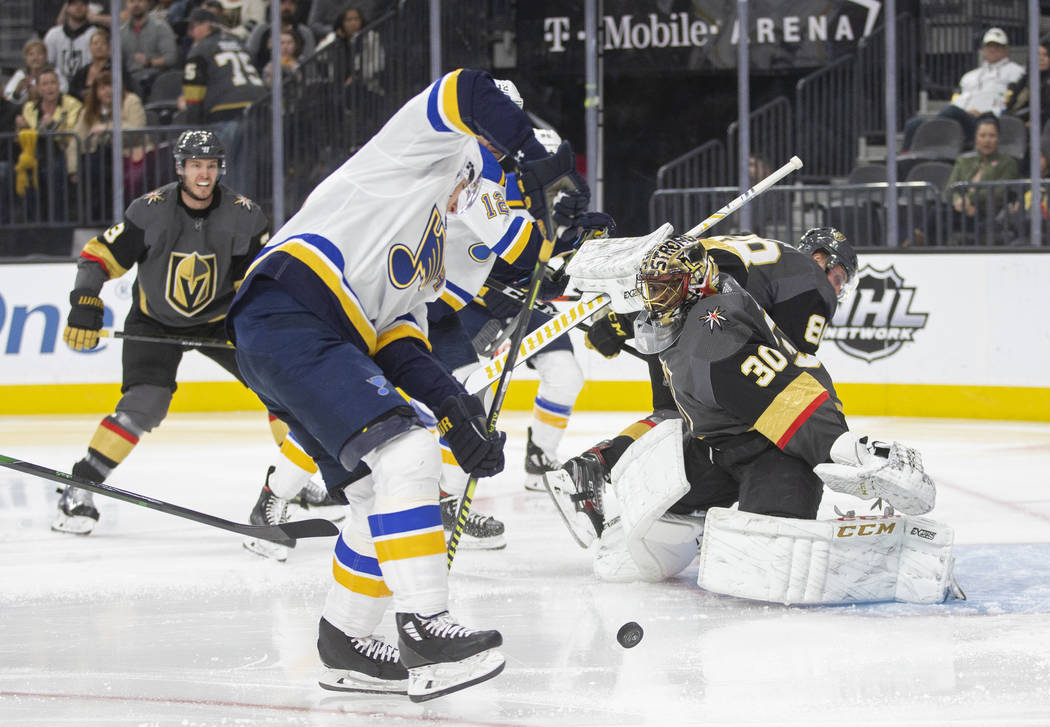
877, 319
426, 264
191, 282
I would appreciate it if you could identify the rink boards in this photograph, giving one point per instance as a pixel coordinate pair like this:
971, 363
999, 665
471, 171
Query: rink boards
950, 334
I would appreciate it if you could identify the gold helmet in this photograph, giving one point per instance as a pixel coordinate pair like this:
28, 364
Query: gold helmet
675, 272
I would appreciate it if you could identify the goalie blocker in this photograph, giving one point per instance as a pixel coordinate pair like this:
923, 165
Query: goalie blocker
865, 559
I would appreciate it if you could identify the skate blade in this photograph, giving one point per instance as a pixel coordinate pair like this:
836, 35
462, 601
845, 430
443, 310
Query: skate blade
557, 483
437, 680
469, 542
266, 549
73, 524
343, 680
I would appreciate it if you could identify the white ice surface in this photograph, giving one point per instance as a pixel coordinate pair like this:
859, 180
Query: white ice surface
153, 620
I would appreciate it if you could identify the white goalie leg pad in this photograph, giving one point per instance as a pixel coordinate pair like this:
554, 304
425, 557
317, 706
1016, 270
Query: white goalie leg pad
609, 265
650, 477
667, 549
869, 469
849, 560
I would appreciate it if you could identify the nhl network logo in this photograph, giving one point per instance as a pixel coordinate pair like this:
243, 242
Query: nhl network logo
878, 319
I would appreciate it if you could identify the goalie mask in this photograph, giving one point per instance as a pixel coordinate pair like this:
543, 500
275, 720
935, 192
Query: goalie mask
839, 252
672, 275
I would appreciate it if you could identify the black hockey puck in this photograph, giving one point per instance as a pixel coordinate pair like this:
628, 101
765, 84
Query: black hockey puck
629, 635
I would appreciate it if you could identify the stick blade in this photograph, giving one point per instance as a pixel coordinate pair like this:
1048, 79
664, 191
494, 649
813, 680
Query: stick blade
313, 528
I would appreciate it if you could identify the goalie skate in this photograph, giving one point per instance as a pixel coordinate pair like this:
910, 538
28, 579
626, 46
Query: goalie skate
443, 656
576, 492
364, 664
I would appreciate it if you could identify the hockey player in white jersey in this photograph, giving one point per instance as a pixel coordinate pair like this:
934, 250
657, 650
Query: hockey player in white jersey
329, 321
499, 232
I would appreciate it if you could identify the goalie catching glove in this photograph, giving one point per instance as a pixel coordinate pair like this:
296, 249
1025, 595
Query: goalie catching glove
869, 469
85, 320
461, 421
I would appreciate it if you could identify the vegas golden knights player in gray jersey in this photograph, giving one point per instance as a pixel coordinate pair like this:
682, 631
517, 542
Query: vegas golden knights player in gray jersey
798, 287
192, 241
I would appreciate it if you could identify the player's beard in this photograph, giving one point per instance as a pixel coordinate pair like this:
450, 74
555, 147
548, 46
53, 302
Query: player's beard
194, 192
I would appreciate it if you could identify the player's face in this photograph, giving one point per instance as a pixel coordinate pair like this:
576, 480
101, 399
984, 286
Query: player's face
199, 178
837, 277
453, 201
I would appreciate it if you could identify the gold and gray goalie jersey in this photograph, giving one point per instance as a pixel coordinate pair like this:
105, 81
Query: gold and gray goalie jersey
189, 261
731, 370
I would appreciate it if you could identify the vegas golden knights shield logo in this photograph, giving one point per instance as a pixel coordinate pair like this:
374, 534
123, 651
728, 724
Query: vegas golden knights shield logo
191, 282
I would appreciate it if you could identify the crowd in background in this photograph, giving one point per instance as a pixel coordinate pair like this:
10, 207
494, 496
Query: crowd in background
64, 90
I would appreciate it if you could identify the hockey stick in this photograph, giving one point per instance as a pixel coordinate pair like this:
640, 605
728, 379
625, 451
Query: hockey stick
173, 340
501, 388
559, 325
491, 370
285, 534
518, 294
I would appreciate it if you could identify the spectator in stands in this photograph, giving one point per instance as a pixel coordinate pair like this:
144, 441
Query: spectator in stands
94, 128
22, 86
982, 90
101, 61
361, 58
219, 86
976, 208
229, 14
291, 47
147, 45
1017, 95
68, 43
258, 42
160, 9
1014, 224
8, 155
53, 112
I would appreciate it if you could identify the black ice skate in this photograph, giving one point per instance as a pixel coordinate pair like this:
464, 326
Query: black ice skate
443, 657
481, 532
537, 463
76, 509
576, 489
269, 510
359, 663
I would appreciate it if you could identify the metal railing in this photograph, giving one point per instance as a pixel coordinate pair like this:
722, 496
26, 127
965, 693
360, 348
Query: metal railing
825, 126
704, 165
771, 136
785, 213
870, 68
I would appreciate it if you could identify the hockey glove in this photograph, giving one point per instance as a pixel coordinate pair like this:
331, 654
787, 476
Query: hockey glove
608, 335
568, 205
461, 421
552, 285
500, 305
539, 175
85, 320
869, 469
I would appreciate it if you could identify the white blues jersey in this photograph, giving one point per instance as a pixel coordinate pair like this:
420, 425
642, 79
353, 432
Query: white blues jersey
496, 225
373, 238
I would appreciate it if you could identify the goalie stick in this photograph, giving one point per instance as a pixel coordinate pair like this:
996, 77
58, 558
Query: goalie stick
284, 534
176, 340
559, 325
